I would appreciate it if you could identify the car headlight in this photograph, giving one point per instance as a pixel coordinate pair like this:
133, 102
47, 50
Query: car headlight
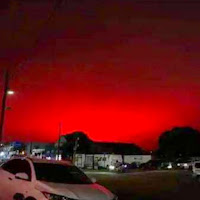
50, 196
111, 167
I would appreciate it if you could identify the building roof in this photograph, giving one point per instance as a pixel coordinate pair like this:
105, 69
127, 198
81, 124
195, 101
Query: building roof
87, 146
116, 148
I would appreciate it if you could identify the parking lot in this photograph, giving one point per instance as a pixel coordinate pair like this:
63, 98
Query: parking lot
150, 185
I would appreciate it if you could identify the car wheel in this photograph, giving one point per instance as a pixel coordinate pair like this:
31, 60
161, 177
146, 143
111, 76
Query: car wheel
30, 198
18, 196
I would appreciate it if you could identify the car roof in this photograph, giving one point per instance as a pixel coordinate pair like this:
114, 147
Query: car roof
40, 160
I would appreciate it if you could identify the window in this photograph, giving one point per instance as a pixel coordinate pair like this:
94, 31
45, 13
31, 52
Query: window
58, 173
18, 166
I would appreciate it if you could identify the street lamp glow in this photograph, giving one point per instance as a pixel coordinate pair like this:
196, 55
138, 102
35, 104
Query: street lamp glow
10, 92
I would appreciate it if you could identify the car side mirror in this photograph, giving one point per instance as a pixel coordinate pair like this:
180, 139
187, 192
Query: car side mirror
22, 176
94, 180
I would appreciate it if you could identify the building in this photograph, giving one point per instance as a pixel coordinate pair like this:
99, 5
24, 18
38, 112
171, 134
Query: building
105, 154
97, 161
89, 154
40, 149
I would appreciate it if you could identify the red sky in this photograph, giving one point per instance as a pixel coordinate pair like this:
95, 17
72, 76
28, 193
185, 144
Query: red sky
120, 70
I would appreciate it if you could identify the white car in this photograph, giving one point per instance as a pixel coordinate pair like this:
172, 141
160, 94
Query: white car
22, 178
196, 169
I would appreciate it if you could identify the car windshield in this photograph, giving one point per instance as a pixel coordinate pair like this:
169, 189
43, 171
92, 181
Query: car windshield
197, 165
59, 173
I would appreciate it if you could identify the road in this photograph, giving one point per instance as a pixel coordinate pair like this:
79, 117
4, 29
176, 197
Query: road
153, 185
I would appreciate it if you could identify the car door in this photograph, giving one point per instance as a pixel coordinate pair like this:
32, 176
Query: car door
4, 185
14, 185
7, 175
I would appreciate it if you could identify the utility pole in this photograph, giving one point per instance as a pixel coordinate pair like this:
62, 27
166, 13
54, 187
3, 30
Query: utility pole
3, 105
59, 135
76, 145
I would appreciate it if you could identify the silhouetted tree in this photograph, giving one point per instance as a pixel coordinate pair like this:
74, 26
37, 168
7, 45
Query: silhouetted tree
87, 146
84, 144
179, 142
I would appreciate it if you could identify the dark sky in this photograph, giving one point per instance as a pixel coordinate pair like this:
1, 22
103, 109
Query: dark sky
118, 70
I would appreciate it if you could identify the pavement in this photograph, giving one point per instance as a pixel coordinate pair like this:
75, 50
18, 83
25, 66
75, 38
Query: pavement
150, 185
132, 173
186, 189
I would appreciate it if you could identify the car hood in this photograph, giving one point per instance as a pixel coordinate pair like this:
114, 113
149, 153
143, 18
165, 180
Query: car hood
76, 191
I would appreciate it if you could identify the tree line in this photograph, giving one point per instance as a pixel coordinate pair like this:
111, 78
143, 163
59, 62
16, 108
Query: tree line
179, 142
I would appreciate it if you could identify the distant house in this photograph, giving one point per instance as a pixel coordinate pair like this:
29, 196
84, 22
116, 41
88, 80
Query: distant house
103, 154
90, 154
104, 160
37, 148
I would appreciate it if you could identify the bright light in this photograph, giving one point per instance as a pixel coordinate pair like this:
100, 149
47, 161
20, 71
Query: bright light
111, 167
185, 165
169, 166
125, 166
10, 92
2, 154
178, 164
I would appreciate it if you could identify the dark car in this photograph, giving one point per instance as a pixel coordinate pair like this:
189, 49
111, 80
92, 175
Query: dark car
151, 165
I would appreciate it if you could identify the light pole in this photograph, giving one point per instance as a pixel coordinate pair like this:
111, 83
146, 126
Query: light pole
3, 105
6, 92
59, 137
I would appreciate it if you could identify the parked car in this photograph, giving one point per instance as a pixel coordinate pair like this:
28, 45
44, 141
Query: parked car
196, 170
133, 165
157, 164
184, 164
167, 165
151, 165
122, 167
39, 179
118, 167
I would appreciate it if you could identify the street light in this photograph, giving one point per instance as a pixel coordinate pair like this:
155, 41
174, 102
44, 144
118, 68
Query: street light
6, 92
10, 92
